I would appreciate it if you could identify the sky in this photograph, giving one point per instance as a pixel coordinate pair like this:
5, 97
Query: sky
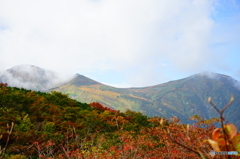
122, 43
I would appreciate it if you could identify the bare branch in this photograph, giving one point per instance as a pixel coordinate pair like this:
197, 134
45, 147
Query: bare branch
210, 102
227, 105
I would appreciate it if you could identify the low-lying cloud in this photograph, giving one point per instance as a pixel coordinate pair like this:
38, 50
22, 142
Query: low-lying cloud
31, 77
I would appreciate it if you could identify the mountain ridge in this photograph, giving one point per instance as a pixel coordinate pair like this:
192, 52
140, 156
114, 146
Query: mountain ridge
182, 98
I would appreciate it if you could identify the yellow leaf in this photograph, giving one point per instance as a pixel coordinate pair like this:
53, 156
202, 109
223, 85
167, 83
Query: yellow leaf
187, 127
162, 121
214, 145
236, 142
231, 130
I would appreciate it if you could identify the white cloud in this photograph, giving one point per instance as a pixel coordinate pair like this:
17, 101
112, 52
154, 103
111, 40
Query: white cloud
31, 77
85, 36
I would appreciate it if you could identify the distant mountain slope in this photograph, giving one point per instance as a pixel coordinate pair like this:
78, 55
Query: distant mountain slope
186, 97
87, 90
30, 77
182, 98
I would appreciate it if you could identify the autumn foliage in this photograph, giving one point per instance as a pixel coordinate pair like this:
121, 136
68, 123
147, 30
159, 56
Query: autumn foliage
3, 84
51, 125
100, 107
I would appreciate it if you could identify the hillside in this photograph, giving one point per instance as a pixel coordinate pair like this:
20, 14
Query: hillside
188, 96
28, 118
182, 98
87, 90
52, 125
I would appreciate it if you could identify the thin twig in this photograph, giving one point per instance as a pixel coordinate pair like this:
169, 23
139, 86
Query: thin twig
8, 138
210, 102
227, 105
221, 119
188, 148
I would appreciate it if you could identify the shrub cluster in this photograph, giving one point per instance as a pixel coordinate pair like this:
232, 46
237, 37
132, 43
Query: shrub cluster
51, 125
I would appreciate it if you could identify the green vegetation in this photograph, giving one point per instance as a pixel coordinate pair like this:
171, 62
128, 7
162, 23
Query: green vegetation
51, 125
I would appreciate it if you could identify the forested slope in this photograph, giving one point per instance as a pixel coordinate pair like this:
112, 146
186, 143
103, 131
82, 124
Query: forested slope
51, 125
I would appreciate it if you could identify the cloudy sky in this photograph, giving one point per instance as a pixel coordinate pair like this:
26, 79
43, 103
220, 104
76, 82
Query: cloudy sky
122, 43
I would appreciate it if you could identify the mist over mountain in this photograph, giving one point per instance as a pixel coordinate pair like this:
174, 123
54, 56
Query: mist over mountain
182, 98
30, 77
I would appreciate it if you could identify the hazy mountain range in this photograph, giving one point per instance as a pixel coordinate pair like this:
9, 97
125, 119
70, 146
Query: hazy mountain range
182, 98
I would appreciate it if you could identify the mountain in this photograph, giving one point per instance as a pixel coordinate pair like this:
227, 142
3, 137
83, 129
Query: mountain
182, 98
87, 90
186, 97
30, 77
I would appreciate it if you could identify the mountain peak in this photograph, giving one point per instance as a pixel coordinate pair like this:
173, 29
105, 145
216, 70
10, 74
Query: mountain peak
79, 80
26, 70
29, 77
213, 75
216, 77
25, 66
